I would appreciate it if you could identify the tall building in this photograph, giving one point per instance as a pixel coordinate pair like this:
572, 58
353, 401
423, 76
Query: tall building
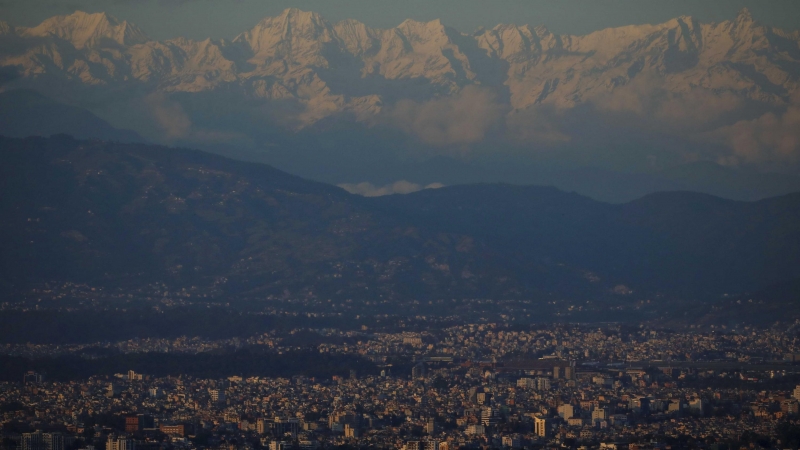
512, 442
414, 445
261, 426
132, 424
120, 443
32, 377
281, 426
476, 429
566, 411
542, 384
173, 430
599, 414
217, 395
42, 441
430, 426
431, 444
796, 393
489, 417
53, 441
32, 441
541, 426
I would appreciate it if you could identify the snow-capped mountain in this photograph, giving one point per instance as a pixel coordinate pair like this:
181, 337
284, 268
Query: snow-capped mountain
350, 67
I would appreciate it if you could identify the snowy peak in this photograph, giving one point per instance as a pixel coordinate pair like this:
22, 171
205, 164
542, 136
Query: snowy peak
356, 37
295, 35
89, 30
744, 17
350, 67
423, 32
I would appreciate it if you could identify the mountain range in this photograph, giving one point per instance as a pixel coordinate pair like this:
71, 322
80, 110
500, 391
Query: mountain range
133, 216
348, 66
614, 114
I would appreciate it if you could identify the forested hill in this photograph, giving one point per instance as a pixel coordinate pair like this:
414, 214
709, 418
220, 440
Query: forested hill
113, 214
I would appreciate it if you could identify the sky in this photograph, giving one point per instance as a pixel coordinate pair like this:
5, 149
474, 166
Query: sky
199, 19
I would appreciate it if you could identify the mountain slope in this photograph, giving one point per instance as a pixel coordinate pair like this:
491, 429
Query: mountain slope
350, 67
134, 215
128, 215
679, 242
27, 113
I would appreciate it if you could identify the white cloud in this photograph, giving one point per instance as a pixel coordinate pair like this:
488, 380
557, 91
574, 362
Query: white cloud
462, 118
169, 116
771, 138
398, 187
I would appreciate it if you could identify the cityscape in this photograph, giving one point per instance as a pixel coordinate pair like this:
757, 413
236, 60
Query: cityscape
399, 225
483, 385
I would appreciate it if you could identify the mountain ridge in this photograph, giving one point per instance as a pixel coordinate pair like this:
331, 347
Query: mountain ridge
131, 215
291, 56
606, 114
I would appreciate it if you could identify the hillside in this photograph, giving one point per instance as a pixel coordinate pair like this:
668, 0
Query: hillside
128, 215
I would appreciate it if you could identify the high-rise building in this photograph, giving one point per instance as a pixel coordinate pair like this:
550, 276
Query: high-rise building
430, 426
512, 442
261, 426
32, 441
431, 444
279, 445
217, 395
542, 384
53, 441
32, 377
541, 426
476, 429
566, 411
489, 417
350, 431
599, 414
414, 445
281, 426
173, 430
42, 441
132, 424
120, 443
796, 393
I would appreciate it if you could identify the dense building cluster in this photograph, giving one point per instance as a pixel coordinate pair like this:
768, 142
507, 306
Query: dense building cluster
467, 386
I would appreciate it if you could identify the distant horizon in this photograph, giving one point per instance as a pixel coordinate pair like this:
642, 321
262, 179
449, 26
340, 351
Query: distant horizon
167, 19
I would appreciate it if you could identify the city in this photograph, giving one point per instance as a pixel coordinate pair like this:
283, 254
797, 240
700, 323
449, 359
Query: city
468, 386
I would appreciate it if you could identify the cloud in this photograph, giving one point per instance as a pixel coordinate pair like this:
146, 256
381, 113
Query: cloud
169, 115
771, 138
537, 125
398, 187
647, 102
462, 118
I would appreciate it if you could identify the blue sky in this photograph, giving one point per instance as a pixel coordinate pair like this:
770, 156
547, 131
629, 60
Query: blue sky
163, 19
